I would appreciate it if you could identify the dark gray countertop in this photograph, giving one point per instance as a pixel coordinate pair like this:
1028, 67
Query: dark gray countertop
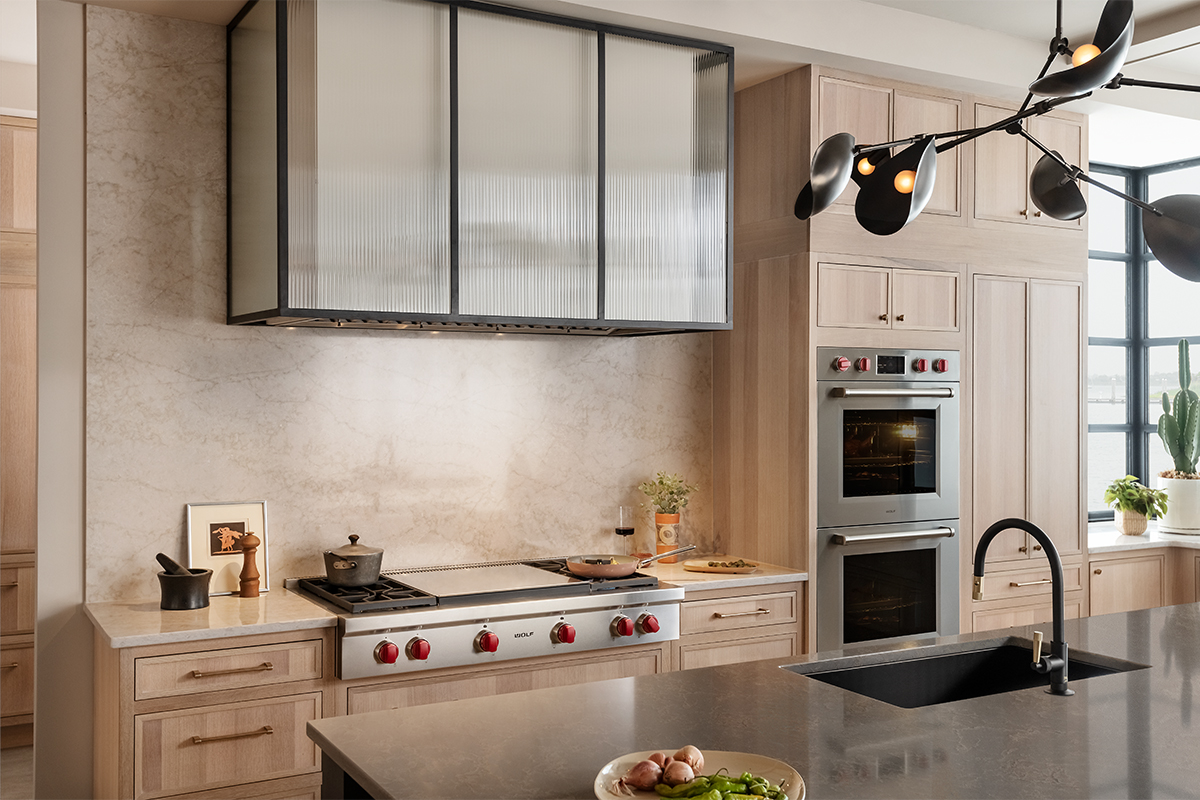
1133, 734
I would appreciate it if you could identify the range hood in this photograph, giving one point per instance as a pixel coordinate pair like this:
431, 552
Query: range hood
414, 165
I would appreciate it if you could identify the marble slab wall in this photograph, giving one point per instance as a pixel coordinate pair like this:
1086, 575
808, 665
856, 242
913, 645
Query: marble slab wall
437, 447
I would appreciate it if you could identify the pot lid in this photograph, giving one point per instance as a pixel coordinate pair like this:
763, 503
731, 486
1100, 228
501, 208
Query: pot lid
355, 549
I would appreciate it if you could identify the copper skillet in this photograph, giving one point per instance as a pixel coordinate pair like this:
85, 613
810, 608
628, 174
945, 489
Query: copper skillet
614, 566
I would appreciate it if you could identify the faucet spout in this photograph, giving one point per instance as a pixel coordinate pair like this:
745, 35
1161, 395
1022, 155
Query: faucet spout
1054, 664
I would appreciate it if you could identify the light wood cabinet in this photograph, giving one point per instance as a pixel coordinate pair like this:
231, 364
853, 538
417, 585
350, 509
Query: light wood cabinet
853, 296
1128, 584
18, 174
237, 730
875, 114
1026, 415
736, 625
18, 594
1003, 163
1000, 616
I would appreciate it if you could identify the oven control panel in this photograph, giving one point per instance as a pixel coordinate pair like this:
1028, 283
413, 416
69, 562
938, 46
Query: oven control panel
884, 364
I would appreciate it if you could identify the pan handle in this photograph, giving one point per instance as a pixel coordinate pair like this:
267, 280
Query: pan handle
646, 561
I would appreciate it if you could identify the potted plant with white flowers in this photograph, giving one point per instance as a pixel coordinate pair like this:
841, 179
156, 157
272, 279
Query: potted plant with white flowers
1133, 504
1179, 429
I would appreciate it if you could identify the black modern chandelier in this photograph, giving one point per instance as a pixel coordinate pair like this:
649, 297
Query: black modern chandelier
894, 188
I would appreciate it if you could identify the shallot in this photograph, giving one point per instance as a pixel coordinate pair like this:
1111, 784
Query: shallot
677, 772
691, 756
659, 758
643, 775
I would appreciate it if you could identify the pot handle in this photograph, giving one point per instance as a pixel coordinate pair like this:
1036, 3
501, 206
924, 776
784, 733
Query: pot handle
684, 549
345, 564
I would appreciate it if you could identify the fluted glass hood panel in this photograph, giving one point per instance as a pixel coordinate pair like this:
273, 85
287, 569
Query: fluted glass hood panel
528, 156
666, 156
369, 155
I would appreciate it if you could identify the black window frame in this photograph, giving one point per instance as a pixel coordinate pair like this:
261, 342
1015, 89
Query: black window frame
1137, 342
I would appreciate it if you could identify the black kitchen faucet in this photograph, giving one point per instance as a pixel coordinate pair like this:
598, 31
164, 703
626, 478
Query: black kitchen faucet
1055, 664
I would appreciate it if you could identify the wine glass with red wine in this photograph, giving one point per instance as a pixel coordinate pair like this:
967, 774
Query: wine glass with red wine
625, 526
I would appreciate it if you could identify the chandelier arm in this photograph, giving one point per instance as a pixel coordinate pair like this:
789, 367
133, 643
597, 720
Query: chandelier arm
1049, 61
1038, 109
1121, 80
1075, 172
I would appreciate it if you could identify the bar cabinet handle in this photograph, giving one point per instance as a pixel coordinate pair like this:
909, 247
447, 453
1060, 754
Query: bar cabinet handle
9, 666
263, 667
7, 585
754, 613
1031, 583
263, 731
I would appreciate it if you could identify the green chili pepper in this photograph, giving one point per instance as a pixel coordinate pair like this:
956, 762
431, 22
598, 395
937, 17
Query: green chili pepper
726, 785
690, 789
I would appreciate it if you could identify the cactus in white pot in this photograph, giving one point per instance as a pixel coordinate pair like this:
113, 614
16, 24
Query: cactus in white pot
1179, 429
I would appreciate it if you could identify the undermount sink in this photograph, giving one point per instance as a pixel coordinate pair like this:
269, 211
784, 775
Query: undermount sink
931, 676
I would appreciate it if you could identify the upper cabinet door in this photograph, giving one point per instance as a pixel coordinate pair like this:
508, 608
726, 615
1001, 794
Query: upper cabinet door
18, 175
1001, 170
917, 114
863, 111
853, 297
924, 300
1065, 138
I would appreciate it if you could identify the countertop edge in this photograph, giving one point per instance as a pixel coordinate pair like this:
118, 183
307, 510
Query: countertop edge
1105, 538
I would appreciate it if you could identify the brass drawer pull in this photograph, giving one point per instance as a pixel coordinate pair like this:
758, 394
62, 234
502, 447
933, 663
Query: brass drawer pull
899, 318
263, 731
9, 666
1032, 583
263, 667
754, 613
7, 585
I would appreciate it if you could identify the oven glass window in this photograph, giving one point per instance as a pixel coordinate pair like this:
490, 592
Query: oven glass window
889, 452
889, 594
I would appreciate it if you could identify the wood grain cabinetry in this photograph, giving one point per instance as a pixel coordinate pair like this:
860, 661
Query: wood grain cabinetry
1003, 163
874, 114
737, 625
1128, 584
208, 719
852, 296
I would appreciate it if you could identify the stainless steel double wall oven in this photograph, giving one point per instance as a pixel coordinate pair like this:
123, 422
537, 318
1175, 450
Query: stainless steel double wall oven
888, 491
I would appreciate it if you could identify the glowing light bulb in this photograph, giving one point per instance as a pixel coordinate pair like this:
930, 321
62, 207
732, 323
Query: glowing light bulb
905, 180
865, 166
1084, 54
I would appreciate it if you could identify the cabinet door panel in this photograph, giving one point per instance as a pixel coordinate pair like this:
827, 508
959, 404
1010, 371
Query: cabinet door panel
1065, 138
998, 469
863, 111
18, 598
1000, 171
916, 114
1127, 584
924, 300
1055, 477
853, 297
18, 409
16, 679
1000, 618
18, 175
736, 651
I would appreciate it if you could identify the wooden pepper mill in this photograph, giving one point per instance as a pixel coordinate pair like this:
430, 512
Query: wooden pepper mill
248, 580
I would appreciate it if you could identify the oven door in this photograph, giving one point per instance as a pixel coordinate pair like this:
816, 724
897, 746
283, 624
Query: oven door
886, 583
886, 452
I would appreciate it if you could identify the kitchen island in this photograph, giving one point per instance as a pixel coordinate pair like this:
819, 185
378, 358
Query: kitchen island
1130, 734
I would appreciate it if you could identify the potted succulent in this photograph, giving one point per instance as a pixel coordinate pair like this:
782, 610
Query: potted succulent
1179, 429
669, 495
1134, 503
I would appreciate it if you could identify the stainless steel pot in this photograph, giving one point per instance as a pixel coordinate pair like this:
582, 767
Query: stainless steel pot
353, 564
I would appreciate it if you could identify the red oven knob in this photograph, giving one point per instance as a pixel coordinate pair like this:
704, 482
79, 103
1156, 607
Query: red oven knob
622, 626
921, 365
487, 641
387, 652
563, 633
418, 648
841, 363
648, 623
940, 365
863, 364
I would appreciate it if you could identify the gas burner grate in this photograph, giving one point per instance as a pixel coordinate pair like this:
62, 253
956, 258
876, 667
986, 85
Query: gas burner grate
385, 594
637, 580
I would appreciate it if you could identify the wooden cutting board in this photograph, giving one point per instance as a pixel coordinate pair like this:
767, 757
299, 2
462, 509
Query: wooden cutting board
701, 565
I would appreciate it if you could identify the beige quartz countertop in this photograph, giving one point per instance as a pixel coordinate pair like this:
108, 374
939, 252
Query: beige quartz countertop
1107, 539
676, 575
142, 622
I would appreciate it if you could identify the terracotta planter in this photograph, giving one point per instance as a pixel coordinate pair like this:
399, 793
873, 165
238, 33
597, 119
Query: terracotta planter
1130, 523
666, 535
1183, 506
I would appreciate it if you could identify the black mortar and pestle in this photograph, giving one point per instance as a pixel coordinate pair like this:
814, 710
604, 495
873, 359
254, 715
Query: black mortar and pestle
182, 588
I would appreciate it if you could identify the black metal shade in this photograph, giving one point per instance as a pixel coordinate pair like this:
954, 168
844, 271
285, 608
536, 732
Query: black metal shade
883, 210
1055, 191
1114, 34
832, 165
1174, 238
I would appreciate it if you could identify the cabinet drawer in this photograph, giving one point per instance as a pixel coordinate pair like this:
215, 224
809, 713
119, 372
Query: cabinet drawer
735, 613
16, 679
234, 745
235, 668
694, 655
1028, 582
18, 599
999, 618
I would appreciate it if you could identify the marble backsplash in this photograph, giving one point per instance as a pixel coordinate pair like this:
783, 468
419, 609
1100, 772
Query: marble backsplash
438, 447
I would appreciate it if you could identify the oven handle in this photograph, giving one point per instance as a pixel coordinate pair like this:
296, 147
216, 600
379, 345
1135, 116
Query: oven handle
862, 538
846, 391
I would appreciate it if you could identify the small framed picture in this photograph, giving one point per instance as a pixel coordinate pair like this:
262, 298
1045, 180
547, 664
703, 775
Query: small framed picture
215, 531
